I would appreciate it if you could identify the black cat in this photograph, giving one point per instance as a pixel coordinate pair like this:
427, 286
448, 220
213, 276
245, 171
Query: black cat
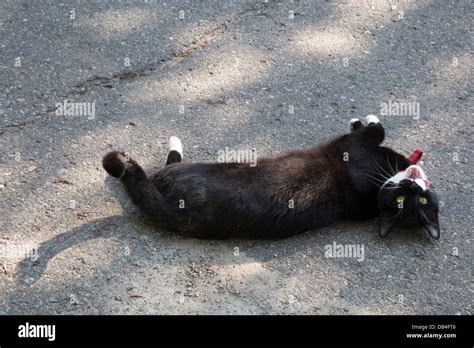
349, 177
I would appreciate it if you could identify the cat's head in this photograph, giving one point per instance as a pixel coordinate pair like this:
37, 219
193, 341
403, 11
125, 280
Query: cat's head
407, 200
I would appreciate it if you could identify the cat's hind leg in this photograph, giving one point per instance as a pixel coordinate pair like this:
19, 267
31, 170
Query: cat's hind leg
355, 124
175, 154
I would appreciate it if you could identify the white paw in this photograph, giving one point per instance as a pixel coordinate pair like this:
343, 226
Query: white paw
352, 122
371, 119
175, 144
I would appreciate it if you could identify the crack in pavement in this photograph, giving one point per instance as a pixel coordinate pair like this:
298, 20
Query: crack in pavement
174, 59
23, 124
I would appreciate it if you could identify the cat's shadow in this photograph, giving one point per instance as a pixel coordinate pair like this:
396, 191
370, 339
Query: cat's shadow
31, 270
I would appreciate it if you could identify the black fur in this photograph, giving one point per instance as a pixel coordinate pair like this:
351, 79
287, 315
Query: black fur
336, 180
173, 157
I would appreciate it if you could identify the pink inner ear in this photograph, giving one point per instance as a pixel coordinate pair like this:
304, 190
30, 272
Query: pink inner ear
415, 157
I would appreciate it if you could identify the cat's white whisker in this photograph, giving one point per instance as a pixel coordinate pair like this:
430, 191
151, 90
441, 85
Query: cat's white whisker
374, 178
388, 162
378, 173
379, 166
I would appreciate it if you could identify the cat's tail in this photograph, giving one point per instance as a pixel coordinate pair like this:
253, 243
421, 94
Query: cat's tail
142, 191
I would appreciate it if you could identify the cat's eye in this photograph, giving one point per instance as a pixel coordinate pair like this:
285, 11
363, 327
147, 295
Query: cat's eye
400, 199
423, 200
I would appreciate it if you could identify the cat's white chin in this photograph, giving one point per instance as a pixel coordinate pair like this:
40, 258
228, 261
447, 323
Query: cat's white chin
414, 173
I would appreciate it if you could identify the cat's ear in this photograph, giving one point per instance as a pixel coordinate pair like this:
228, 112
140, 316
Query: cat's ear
432, 227
386, 226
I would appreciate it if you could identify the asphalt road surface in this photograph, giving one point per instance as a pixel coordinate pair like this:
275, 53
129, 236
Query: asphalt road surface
270, 75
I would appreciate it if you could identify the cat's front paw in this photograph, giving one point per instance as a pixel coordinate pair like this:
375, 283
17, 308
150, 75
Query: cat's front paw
355, 124
371, 120
115, 163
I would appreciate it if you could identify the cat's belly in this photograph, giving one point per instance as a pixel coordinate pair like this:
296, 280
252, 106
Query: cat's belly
233, 212
208, 204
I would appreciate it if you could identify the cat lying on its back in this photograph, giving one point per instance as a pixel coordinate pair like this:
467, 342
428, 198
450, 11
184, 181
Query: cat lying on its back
349, 177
